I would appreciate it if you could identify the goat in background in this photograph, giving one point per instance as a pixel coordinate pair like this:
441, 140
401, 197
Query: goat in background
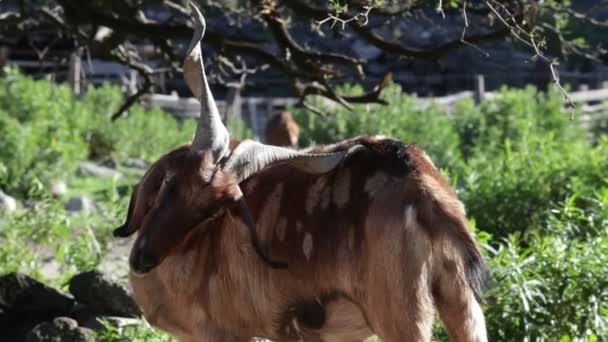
282, 130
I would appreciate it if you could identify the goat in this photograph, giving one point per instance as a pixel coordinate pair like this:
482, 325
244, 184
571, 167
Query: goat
282, 130
373, 236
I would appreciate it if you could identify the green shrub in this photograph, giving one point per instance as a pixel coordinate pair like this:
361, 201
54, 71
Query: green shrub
37, 143
515, 115
45, 131
429, 128
512, 190
553, 287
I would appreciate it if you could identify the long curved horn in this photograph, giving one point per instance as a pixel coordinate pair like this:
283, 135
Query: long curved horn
210, 131
250, 157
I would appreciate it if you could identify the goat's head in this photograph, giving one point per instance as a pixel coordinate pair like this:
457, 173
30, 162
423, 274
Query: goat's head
193, 183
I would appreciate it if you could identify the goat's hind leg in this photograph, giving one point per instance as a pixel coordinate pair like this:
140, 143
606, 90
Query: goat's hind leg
459, 310
399, 306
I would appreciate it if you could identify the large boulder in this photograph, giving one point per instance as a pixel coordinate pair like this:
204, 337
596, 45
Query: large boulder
60, 329
103, 295
25, 302
21, 293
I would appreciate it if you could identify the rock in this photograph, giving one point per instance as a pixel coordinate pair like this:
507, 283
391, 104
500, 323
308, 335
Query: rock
25, 302
7, 203
109, 162
59, 330
103, 295
58, 188
135, 164
94, 170
21, 293
50, 268
80, 203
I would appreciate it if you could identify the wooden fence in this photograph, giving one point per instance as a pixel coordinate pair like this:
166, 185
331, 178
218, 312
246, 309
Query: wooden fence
257, 110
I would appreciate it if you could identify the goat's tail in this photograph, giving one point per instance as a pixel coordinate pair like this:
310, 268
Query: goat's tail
460, 277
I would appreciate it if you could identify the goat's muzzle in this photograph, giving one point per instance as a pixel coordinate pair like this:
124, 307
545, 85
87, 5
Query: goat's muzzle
142, 261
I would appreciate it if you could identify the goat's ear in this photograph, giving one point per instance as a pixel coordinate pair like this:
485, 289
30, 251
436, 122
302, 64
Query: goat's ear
250, 157
143, 195
124, 230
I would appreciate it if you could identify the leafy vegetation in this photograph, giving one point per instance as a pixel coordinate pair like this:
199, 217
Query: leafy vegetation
534, 184
46, 130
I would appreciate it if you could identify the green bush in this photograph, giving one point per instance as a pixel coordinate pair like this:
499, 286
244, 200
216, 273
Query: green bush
511, 190
76, 242
37, 141
553, 287
429, 128
45, 131
515, 115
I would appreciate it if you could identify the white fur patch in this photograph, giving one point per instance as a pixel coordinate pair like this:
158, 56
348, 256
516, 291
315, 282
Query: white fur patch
307, 245
410, 217
314, 195
341, 189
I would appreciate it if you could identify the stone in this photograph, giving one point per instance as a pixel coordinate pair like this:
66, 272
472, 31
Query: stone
135, 164
58, 188
60, 329
7, 203
109, 162
21, 293
103, 295
25, 302
80, 203
93, 170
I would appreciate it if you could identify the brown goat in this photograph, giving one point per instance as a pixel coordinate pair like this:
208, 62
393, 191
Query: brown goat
282, 130
373, 235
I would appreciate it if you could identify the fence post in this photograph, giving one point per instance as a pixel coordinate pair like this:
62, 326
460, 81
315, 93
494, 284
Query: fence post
480, 89
233, 103
253, 117
162, 82
132, 82
74, 71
